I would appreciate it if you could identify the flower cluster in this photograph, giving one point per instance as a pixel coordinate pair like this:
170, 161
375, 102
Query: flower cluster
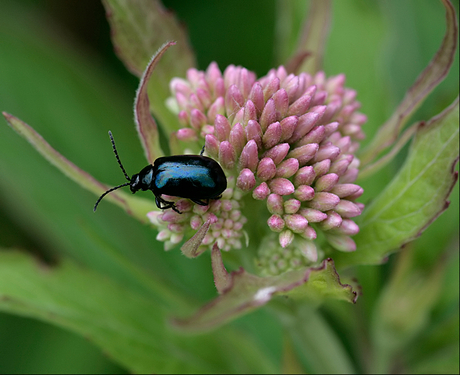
288, 139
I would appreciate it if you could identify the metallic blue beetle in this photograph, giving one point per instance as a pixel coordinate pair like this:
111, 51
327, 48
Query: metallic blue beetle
195, 177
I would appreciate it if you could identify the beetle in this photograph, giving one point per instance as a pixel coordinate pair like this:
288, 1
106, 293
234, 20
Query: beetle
195, 177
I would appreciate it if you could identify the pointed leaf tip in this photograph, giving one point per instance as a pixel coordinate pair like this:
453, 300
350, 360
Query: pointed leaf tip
145, 123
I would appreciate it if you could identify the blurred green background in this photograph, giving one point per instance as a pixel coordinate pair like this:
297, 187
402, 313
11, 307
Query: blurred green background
59, 74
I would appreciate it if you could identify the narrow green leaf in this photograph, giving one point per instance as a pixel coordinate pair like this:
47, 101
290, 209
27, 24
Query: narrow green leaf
433, 74
416, 196
246, 292
139, 28
145, 123
137, 207
129, 328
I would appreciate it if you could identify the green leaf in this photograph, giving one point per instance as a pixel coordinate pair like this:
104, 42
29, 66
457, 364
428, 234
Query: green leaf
129, 328
242, 292
416, 196
138, 207
433, 74
145, 123
139, 29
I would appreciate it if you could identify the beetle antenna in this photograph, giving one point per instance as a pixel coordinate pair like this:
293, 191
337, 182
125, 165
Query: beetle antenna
107, 192
118, 159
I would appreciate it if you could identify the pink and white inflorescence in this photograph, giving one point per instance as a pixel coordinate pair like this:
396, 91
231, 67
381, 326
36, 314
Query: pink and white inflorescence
289, 140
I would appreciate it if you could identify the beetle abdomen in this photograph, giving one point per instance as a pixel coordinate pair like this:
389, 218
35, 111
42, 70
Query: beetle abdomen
189, 176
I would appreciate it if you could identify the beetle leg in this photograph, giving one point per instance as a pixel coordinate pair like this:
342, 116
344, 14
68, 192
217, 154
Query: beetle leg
200, 202
202, 150
164, 205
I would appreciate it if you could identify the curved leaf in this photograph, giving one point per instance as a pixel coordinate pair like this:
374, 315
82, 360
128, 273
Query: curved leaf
433, 74
137, 207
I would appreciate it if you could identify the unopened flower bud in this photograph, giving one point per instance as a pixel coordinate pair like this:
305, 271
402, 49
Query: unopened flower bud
261, 192
324, 201
347, 209
291, 206
326, 182
266, 169
297, 223
281, 186
304, 193
276, 223
275, 204
285, 238
246, 180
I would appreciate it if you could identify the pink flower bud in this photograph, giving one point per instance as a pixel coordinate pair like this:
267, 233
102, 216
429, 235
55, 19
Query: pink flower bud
254, 131
237, 138
281, 186
268, 115
249, 157
324, 201
322, 167
276, 223
291, 85
278, 153
281, 103
285, 238
330, 128
304, 176
288, 125
300, 106
275, 204
163, 235
326, 151
212, 145
222, 128
266, 169
340, 165
183, 118
239, 116
305, 123
272, 135
345, 190
250, 112
227, 155
261, 192
297, 223
326, 182
356, 195
196, 222
246, 180
186, 134
257, 97
341, 242
348, 227
272, 87
304, 153
291, 206
234, 100
312, 215
316, 135
304, 193
197, 118
344, 144
308, 249
349, 176
204, 96
195, 102
287, 168
347, 209
334, 220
